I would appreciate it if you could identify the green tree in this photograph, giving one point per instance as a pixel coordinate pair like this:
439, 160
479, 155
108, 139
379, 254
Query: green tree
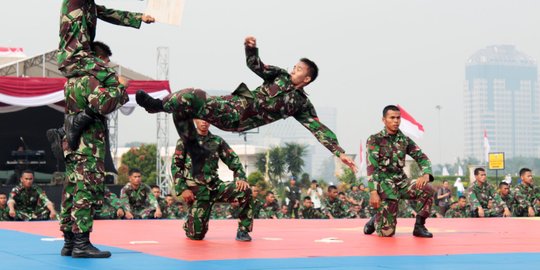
347, 177
261, 162
294, 156
257, 179
305, 180
277, 165
143, 158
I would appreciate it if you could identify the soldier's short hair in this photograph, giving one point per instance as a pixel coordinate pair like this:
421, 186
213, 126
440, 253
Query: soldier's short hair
269, 192
101, 49
307, 198
353, 185
154, 186
462, 197
523, 171
501, 184
1, 193
134, 170
27, 171
169, 195
478, 170
341, 193
390, 108
313, 69
331, 187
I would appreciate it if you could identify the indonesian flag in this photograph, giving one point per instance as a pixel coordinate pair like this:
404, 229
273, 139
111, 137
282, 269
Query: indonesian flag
486, 147
361, 155
11, 52
409, 125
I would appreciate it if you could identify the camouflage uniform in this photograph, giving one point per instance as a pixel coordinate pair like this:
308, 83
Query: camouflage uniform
173, 211
30, 203
4, 214
207, 187
537, 207
219, 211
269, 210
78, 22
140, 202
386, 159
509, 200
280, 215
480, 196
458, 212
276, 99
111, 204
311, 213
524, 197
405, 209
256, 205
336, 208
85, 167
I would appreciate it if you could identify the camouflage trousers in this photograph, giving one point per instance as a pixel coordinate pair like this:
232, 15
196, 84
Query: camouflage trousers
196, 225
106, 212
84, 189
40, 213
224, 112
391, 192
143, 212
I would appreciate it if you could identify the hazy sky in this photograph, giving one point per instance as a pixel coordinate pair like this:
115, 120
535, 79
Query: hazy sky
370, 53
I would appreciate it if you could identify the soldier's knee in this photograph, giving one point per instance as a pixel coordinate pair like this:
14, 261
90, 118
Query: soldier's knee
195, 236
387, 232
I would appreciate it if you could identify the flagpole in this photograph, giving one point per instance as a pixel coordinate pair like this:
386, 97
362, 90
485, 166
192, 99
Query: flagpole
438, 108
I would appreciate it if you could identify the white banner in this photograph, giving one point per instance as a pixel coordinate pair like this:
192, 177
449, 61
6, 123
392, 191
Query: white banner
166, 11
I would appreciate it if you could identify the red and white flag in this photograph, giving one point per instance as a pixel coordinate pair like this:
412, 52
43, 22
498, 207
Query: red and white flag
11, 52
486, 147
361, 155
409, 125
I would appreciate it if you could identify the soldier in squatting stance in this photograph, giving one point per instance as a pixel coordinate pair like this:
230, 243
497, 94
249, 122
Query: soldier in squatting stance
388, 183
280, 96
201, 189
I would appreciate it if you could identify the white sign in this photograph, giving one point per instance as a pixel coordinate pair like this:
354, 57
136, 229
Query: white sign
166, 11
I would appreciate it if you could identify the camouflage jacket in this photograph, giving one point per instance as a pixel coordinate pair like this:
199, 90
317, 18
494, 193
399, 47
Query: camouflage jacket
78, 21
219, 149
458, 212
311, 213
336, 208
137, 199
355, 195
28, 200
386, 158
480, 196
173, 212
277, 99
524, 196
4, 214
509, 200
281, 215
113, 200
269, 211
256, 207
405, 209
220, 211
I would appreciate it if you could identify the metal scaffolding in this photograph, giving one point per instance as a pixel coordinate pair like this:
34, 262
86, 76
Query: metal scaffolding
164, 180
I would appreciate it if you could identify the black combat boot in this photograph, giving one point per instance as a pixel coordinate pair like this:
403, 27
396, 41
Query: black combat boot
150, 104
68, 244
419, 229
74, 126
84, 249
54, 136
369, 228
243, 236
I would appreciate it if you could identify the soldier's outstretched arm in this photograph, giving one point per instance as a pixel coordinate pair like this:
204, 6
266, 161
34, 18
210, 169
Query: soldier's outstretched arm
254, 63
123, 18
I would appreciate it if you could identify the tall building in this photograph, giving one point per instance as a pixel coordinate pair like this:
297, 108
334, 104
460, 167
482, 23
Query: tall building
502, 97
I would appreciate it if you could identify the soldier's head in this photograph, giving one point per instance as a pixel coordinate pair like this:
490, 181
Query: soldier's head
27, 178
526, 176
255, 191
357, 208
235, 203
490, 204
480, 175
303, 73
135, 177
169, 199
453, 205
307, 202
284, 209
332, 192
391, 118
3, 199
504, 188
102, 51
270, 198
292, 181
361, 187
156, 191
462, 202
202, 126
342, 196
354, 187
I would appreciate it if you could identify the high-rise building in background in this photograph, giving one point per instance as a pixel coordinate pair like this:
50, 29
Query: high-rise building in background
502, 97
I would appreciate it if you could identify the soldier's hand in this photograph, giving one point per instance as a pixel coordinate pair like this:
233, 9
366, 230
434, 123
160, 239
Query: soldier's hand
148, 19
12, 213
250, 41
129, 215
531, 212
53, 215
480, 212
122, 80
422, 181
158, 213
374, 199
188, 196
348, 161
120, 213
241, 185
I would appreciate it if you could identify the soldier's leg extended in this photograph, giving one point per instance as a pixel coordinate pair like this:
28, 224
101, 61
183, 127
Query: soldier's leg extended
227, 192
196, 224
424, 198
